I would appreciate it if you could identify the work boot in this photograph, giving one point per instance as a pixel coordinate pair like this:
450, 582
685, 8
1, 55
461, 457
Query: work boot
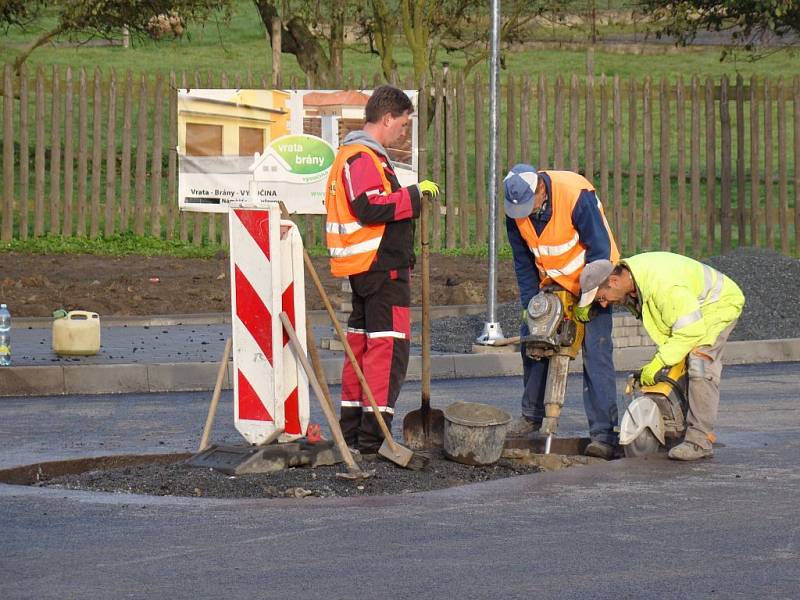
522, 426
599, 449
690, 451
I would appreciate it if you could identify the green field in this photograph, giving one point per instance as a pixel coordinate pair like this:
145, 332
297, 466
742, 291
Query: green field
238, 45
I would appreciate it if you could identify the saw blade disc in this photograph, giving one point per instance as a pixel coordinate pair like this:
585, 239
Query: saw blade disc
645, 444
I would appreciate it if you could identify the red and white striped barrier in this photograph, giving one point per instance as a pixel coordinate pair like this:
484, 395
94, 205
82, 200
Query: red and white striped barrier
270, 389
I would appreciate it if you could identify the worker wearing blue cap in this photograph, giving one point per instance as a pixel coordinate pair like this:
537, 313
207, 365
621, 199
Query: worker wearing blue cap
555, 226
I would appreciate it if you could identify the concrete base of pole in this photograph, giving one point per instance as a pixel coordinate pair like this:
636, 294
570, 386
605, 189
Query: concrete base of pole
492, 332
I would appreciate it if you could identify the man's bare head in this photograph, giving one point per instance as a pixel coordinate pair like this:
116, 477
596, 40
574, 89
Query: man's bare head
387, 114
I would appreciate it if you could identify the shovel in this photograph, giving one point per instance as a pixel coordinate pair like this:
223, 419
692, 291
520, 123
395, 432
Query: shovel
424, 428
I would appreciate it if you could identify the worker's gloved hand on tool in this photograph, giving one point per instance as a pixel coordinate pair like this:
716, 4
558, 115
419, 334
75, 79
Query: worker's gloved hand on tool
426, 186
582, 313
650, 370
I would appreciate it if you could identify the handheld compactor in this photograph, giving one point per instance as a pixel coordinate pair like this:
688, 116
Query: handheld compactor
557, 336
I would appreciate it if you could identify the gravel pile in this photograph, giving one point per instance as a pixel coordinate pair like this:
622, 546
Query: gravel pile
769, 280
457, 334
179, 480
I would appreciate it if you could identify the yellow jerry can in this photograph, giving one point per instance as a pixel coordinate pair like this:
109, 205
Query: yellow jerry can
77, 334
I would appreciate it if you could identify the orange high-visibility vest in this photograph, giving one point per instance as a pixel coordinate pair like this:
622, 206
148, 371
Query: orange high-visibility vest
559, 253
352, 245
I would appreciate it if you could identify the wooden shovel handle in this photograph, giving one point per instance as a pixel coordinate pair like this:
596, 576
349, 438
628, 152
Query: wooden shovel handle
348, 350
212, 408
316, 363
426, 302
318, 391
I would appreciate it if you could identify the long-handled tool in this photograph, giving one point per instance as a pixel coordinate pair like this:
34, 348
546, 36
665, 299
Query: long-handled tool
506, 341
424, 428
390, 449
212, 408
354, 472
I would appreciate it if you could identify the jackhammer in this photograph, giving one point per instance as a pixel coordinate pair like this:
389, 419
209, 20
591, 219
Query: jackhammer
556, 335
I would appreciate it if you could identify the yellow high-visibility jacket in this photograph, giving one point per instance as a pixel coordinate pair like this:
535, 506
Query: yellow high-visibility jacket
684, 303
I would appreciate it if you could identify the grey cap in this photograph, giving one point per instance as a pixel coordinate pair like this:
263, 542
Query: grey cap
593, 274
520, 191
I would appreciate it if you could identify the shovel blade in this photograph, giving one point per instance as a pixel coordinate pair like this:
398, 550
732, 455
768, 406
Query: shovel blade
396, 453
423, 430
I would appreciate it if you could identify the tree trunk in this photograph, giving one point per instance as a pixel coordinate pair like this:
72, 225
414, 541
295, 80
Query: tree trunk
276, 31
336, 42
384, 26
298, 39
416, 29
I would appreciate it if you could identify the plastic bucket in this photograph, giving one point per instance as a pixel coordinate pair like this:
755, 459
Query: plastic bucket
474, 433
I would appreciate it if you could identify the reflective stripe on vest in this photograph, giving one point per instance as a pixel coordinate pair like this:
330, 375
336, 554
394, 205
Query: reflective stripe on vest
558, 251
352, 245
686, 320
712, 290
355, 249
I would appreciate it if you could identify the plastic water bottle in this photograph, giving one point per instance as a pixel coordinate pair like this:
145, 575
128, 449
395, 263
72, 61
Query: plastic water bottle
5, 336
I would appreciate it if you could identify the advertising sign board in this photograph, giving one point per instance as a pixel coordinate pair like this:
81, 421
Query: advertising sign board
240, 145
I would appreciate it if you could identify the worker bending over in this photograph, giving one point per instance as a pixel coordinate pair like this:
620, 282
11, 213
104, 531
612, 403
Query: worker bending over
689, 310
556, 225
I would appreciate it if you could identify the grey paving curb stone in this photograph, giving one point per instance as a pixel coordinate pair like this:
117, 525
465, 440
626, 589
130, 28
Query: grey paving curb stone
315, 317
182, 377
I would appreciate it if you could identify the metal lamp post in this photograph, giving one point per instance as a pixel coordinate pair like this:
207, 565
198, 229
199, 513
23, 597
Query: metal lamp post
491, 328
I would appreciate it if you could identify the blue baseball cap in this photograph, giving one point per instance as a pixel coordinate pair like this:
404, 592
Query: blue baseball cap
520, 189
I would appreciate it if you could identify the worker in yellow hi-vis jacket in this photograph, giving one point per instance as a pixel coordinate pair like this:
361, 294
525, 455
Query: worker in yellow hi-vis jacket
689, 309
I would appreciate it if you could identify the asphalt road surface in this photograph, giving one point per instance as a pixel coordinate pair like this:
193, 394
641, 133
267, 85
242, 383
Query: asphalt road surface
722, 528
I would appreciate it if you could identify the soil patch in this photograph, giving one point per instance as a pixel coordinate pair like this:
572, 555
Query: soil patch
35, 285
177, 479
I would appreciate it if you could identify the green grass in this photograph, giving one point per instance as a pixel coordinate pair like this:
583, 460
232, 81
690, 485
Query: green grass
240, 45
117, 245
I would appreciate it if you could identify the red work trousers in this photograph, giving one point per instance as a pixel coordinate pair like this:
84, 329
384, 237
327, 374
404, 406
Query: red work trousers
379, 332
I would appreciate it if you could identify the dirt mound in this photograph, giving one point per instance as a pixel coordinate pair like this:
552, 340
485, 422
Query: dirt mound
35, 285
177, 479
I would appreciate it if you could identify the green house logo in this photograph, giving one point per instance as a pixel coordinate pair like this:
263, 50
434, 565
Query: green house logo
304, 154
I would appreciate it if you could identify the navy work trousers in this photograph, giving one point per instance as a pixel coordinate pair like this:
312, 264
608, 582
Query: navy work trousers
599, 384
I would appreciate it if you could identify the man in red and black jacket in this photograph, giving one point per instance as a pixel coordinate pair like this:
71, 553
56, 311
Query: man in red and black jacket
370, 237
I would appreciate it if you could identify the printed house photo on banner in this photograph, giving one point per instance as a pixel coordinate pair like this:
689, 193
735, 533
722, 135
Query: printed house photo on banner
238, 145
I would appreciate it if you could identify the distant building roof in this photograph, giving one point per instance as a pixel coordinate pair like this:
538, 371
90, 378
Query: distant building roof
343, 98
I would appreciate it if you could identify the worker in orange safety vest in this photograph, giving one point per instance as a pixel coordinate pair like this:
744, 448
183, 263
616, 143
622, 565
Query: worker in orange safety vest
556, 225
370, 238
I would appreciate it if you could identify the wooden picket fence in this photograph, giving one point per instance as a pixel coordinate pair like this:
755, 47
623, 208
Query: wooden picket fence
696, 166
